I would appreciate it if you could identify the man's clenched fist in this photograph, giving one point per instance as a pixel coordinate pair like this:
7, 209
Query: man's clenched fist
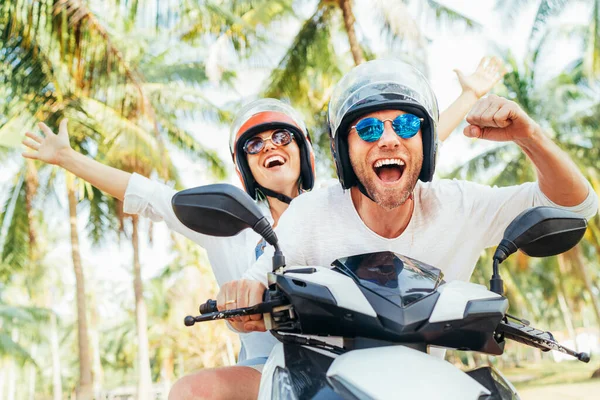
499, 119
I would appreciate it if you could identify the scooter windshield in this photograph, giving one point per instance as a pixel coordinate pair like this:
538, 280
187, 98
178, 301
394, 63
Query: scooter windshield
401, 280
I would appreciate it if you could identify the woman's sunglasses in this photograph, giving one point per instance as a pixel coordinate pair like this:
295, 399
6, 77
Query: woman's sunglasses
371, 129
256, 144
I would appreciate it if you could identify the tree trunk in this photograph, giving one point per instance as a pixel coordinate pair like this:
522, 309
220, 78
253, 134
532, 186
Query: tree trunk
55, 352
12, 379
167, 365
31, 375
562, 300
144, 388
85, 386
180, 365
230, 352
349, 20
31, 184
95, 342
579, 263
167, 370
12, 370
2, 378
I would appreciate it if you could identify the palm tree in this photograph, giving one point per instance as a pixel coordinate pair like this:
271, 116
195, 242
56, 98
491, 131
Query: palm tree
176, 292
589, 63
125, 108
68, 96
21, 252
53, 70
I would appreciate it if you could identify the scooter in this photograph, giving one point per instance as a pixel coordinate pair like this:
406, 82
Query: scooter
386, 310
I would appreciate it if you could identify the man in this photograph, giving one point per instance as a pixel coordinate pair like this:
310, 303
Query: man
383, 119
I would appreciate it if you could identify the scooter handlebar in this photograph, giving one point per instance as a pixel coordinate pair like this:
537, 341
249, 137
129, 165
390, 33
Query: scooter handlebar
209, 311
533, 337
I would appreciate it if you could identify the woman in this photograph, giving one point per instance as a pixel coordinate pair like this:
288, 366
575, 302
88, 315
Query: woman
275, 162
274, 159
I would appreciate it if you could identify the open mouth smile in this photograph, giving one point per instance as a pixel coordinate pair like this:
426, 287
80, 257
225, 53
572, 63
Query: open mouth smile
389, 170
274, 161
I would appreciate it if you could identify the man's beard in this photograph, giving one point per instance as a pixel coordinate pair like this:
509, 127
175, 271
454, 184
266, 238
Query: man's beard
387, 198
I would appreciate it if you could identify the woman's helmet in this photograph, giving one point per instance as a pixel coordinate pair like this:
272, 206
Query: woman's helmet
381, 85
259, 116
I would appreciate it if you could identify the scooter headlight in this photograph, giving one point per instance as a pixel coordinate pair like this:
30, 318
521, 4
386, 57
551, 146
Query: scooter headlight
282, 388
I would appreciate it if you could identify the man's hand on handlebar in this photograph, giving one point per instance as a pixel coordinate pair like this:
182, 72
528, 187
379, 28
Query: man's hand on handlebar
238, 294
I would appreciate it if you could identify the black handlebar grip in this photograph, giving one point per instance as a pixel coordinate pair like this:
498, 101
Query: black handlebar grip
585, 357
208, 307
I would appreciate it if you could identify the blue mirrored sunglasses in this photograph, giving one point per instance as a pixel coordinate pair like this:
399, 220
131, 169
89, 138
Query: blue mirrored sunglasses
371, 129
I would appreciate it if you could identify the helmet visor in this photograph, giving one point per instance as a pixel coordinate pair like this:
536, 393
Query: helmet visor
374, 80
271, 108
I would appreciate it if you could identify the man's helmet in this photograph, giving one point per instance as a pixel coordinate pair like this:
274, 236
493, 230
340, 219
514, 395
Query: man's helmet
262, 115
381, 85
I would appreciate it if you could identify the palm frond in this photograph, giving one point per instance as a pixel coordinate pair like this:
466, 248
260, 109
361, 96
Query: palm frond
402, 31
510, 9
519, 83
102, 221
66, 51
207, 17
518, 170
186, 72
10, 348
183, 101
243, 23
546, 10
14, 236
186, 142
13, 130
309, 66
446, 14
481, 168
114, 125
592, 53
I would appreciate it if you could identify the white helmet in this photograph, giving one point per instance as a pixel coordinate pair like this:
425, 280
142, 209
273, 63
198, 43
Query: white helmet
381, 85
259, 116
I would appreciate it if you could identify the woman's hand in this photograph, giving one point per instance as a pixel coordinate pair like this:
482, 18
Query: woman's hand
489, 71
56, 150
239, 294
49, 148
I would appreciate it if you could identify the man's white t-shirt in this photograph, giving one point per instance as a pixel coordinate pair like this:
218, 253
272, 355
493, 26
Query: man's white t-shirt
229, 257
452, 222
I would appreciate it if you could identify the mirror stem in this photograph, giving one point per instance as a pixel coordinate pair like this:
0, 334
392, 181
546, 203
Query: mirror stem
264, 229
496, 283
278, 258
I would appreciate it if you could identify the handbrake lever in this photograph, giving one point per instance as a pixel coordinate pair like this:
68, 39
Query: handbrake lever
260, 308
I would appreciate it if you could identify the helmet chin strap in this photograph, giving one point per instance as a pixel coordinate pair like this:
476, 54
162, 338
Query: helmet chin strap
268, 192
363, 190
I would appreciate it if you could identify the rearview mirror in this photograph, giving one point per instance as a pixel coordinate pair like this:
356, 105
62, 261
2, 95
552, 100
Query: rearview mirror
538, 232
224, 210
543, 232
217, 210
